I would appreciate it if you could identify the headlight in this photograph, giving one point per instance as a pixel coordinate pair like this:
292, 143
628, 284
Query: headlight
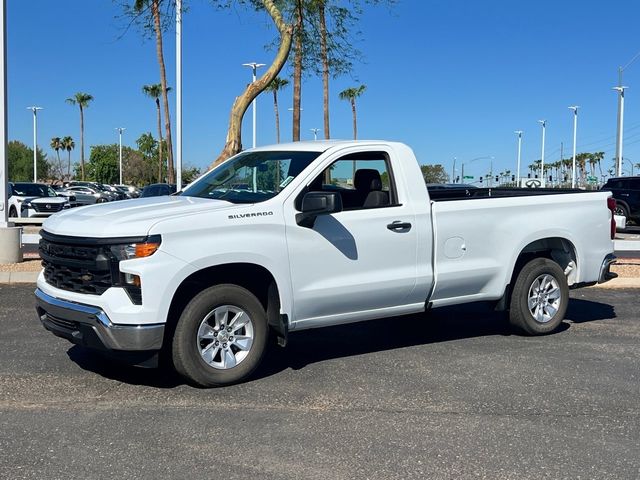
131, 282
136, 250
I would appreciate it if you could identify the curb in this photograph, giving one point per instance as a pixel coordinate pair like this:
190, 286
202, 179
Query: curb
626, 245
13, 278
620, 283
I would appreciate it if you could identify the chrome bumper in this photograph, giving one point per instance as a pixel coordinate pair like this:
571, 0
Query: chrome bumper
90, 326
605, 273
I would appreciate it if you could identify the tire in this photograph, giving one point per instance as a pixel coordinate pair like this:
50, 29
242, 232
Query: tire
203, 322
101, 200
621, 210
539, 298
13, 213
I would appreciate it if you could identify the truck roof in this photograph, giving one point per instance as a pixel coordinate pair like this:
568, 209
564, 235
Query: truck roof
312, 145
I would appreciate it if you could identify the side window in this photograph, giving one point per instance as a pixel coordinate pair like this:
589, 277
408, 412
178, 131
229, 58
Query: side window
364, 180
634, 184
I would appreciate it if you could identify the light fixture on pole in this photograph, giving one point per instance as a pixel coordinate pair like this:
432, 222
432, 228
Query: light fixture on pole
178, 96
473, 160
120, 130
315, 133
544, 127
575, 129
35, 141
254, 66
620, 89
519, 133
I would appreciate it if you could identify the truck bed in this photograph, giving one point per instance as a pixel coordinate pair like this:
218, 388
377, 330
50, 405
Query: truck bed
449, 194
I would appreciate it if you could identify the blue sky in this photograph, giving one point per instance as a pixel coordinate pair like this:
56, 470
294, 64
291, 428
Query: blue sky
450, 78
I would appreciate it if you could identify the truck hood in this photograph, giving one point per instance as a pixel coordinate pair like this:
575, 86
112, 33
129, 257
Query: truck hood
127, 218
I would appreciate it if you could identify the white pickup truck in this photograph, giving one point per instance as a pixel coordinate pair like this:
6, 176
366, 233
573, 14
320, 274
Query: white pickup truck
306, 235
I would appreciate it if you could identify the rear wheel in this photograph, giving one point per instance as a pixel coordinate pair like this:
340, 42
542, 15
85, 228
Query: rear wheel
539, 298
621, 210
221, 336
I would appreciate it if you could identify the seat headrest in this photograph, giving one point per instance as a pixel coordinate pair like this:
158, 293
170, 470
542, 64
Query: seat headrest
367, 179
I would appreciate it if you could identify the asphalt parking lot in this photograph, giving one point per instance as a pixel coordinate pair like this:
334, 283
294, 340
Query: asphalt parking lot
452, 394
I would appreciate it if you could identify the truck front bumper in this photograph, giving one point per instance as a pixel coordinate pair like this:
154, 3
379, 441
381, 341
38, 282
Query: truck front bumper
90, 326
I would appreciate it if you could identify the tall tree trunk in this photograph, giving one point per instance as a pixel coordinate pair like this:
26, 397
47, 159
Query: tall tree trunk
275, 106
160, 141
69, 165
234, 134
81, 143
163, 82
325, 67
297, 71
60, 164
355, 122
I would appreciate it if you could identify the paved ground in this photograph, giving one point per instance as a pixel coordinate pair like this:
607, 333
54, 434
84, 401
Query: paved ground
452, 394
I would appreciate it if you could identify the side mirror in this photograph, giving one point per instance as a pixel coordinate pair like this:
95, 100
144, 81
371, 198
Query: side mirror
318, 203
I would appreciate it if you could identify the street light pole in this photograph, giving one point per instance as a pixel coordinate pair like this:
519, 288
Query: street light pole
620, 89
35, 141
544, 127
4, 207
315, 133
519, 133
453, 172
178, 97
575, 129
120, 130
254, 66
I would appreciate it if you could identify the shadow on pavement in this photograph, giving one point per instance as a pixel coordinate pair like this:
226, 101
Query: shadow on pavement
580, 311
111, 368
317, 345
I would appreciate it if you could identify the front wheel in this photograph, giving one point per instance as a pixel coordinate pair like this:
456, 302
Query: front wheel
539, 298
221, 336
13, 213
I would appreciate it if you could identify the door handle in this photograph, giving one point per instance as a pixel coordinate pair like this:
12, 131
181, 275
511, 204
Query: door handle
398, 225
624, 194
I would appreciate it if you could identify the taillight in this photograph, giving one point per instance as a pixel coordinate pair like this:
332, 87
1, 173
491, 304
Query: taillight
611, 205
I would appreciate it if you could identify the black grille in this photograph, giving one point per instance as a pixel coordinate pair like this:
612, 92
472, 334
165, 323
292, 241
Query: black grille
78, 268
47, 207
84, 265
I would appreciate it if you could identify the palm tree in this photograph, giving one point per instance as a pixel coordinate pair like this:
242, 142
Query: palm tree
297, 67
155, 91
351, 94
276, 85
325, 65
140, 6
82, 100
68, 144
56, 144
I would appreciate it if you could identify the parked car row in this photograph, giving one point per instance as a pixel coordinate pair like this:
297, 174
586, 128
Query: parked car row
28, 199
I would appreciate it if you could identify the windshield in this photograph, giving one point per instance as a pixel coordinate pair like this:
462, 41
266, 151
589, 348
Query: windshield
251, 177
33, 190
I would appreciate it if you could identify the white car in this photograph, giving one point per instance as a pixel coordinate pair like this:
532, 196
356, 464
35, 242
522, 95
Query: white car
35, 200
306, 235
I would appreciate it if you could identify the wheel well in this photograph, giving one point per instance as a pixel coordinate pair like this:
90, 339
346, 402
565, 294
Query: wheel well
623, 203
258, 280
560, 250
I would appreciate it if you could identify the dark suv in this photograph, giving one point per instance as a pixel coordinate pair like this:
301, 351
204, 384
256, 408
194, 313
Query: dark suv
626, 192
